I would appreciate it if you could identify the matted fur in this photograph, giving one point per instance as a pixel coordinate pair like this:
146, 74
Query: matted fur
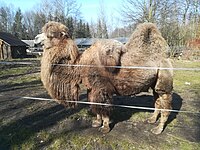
147, 40
146, 47
59, 49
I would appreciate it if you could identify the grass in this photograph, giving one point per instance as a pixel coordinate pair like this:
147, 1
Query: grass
139, 117
75, 141
187, 80
19, 76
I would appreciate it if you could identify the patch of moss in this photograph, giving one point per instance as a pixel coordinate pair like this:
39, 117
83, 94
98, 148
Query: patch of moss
179, 143
75, 141
22, 139
172, 126
82, 114
140, 117
14, 71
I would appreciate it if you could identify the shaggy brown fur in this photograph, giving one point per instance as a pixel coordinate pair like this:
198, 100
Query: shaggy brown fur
146, 47
59, 49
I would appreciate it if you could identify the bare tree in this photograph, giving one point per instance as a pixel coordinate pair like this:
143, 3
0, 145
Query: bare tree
6, 18
59, 10
102, 31
139, 10
93, 29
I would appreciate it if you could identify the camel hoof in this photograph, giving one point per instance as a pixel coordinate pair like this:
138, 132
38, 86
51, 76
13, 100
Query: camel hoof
96, 123
157, 130
104, 129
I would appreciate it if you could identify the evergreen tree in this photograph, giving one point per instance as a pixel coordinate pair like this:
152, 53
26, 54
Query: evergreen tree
17, 27
39, 21
87, 31
24, 33
105, 32
99, 29
84, 30
80, 29
70, 25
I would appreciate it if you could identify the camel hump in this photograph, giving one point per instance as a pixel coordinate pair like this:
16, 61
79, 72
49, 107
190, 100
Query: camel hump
148, 31
147, 40
110, 53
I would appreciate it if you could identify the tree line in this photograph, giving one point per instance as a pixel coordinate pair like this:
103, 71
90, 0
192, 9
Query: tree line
178, 20
28, 24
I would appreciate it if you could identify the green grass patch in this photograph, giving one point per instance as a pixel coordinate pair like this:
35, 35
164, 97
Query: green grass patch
14, 71
178, 142
83, 113
140, 116
74, 141
14, 137
19, 76
186, 64
35, 141
186, 80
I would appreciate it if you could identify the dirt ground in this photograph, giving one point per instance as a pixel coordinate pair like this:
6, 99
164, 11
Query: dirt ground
35, 124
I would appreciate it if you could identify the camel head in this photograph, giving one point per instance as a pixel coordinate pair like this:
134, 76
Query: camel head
51, 31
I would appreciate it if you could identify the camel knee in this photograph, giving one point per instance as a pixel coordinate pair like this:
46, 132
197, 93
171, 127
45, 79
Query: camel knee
165, 105
157, 105
166, 101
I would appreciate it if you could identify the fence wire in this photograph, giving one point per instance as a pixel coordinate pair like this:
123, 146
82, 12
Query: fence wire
108, 105
103, 104
100, 66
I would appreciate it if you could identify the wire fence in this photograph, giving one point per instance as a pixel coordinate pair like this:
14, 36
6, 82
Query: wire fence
108, 105
104, 104
99, 66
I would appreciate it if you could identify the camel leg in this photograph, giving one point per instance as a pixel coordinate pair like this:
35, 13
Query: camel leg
97, 122
103, 112
105, 128
165, 101
154, 118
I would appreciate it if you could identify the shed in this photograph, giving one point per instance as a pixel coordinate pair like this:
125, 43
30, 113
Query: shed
11, 47
84, 43
33, 49
122, 39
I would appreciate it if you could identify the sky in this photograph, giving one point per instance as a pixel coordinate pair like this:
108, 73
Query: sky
89, 8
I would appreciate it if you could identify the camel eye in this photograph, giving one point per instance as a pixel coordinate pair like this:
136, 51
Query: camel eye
108, 51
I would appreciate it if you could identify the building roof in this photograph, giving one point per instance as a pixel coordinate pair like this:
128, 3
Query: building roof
29, 42
11, 40
85, 41
122, 39
90, 41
